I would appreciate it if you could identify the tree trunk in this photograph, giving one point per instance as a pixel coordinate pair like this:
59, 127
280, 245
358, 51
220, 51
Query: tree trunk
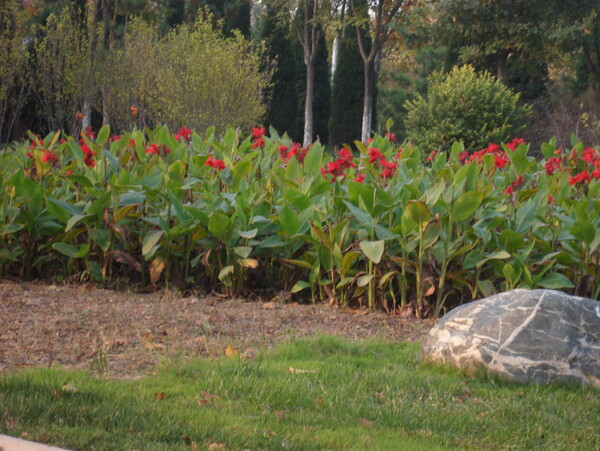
367, 118
308, 105
502, 59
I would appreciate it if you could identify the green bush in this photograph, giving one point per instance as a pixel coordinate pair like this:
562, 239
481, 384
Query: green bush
193, 76
464, 106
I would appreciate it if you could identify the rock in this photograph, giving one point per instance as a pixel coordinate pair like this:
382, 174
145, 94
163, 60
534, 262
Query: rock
541, 336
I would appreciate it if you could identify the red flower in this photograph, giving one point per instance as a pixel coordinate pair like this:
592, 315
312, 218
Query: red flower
115, 138
49, 157
431, 155
391, 137
28, 154
515, 143
596, 173
463, 157
500, 161
161, 150
360, 178
375, 155
582, 177
589, 155
88, 155
552, 165
515, 185
183, 134
550, 200
509, 190
258, 132
345, 158
390, 169
259, 143
219, 165
301, 154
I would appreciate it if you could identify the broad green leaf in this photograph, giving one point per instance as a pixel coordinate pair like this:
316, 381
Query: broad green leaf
103, 135
466, 205
150, 239
360, 215
501, 255
363, 281
432, 233
243, 251
299, 286
555, 280
432, 195
220, 226
73, 220
71, 250
288, 220
373, 250
313, 161
584, 231
418, 212
248, 234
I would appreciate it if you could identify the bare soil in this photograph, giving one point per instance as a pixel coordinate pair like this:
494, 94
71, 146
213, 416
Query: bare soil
127, 334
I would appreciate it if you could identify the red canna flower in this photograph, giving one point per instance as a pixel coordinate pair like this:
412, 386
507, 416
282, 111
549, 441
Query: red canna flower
431, 156
360, 178
582, 177
49, 157
258, 143
258, 132
500, 162
509, 190
391, 137
515, 143
375, 155
134, 111
550, 200
88, 155
215, 163
183, 134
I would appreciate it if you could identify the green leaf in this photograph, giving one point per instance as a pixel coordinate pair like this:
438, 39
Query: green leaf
555, 281
361, 216
501, 255
313, 160
299, 286
584, 231
71, 250
243, 251
248, 234
150, 239
466, 205
432, 195
226, 273
373, 250
363, 281
73, 220
418, 212
103, 135
220, 226
288, 220
431, 235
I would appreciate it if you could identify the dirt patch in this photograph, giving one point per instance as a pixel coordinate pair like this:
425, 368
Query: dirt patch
127, 334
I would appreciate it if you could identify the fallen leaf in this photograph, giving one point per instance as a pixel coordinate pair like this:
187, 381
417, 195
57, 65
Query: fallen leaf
216, 446
230, 351
269, 305
280, 414
156, 268
206, 398
299, 371
159, 396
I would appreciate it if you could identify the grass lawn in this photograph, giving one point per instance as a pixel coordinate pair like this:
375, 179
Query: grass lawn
322, 393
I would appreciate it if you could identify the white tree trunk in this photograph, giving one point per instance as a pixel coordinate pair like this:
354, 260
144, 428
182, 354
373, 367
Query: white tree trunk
367, 118
308, 106
335, 54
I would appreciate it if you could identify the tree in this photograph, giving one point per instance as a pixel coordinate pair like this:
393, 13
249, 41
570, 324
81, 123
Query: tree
484, 30
13, 79
283, 108
347, 90
62, 62
376, 21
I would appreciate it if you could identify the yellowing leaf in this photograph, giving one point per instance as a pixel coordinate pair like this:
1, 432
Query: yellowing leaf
156, 268
299, 371
231, 352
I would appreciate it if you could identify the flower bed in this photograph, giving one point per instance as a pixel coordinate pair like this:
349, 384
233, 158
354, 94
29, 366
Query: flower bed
388, 226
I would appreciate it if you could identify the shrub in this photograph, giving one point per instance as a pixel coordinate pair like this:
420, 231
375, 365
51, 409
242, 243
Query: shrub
464, 106
193, 76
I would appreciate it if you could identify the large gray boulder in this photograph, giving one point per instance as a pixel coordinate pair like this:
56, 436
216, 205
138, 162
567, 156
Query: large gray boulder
539, 336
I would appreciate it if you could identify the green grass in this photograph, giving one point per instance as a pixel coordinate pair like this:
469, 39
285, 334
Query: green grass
354, 396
